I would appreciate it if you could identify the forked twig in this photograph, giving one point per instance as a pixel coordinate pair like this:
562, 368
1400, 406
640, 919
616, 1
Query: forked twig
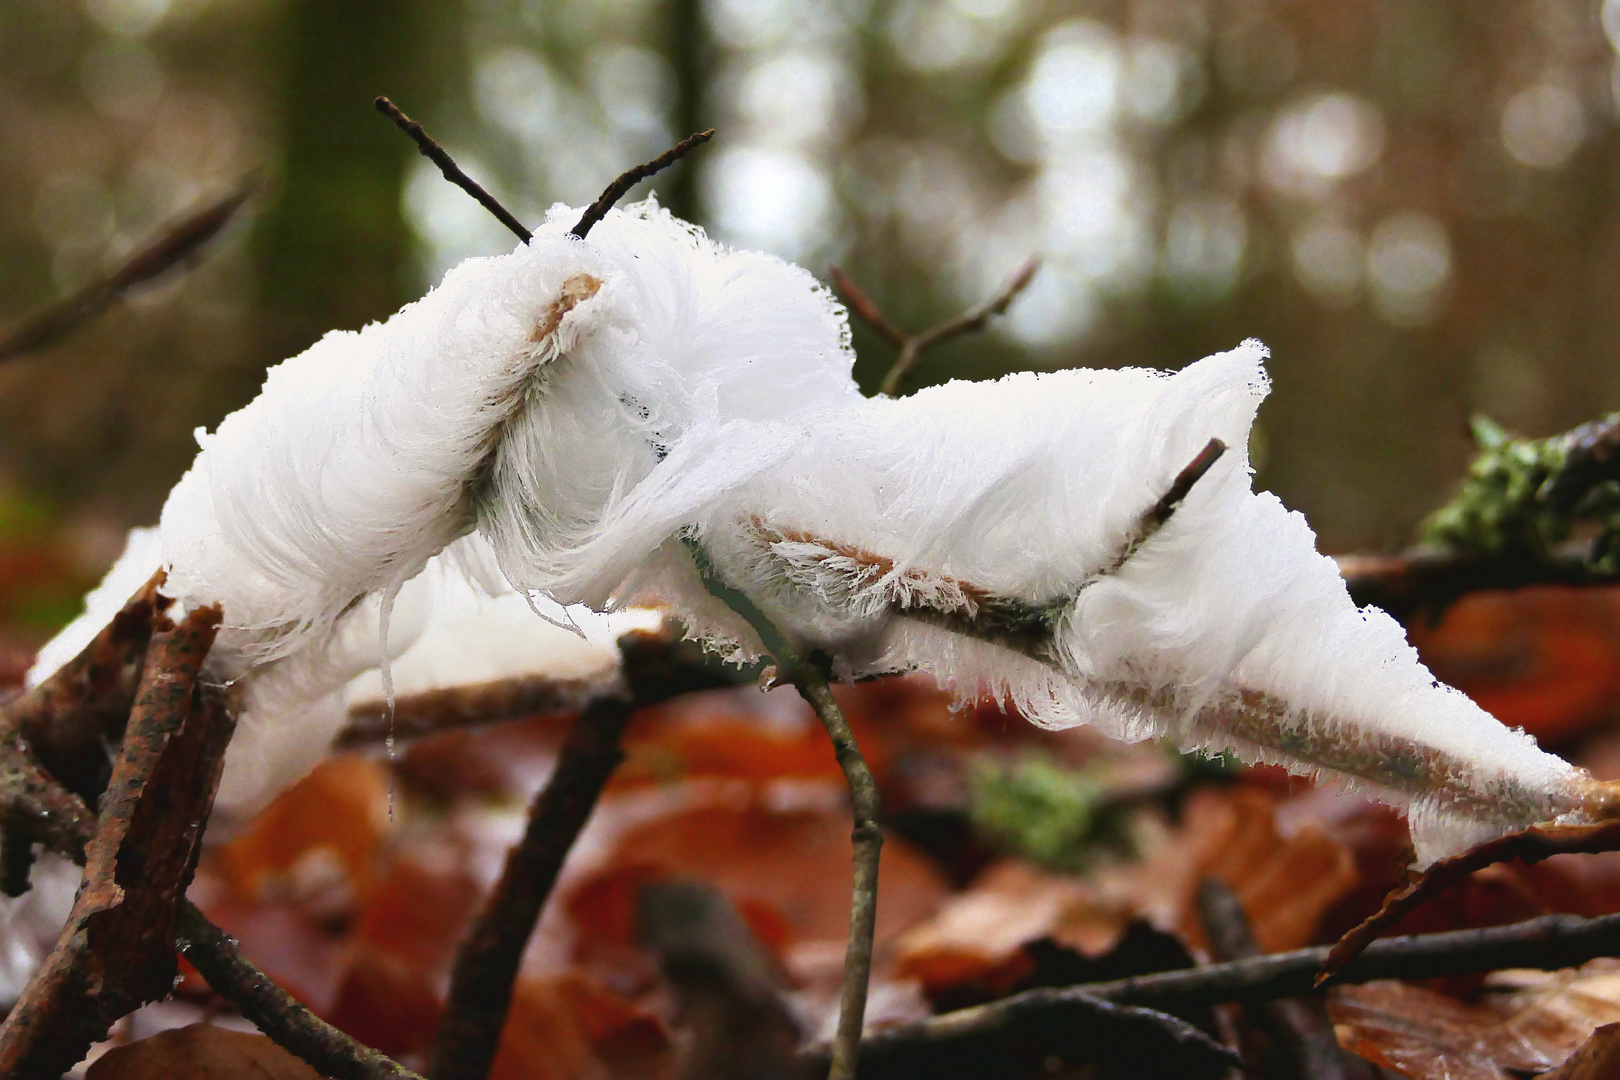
912, 346
181, 240
809, 676
452, 172
1527, 845
631, 177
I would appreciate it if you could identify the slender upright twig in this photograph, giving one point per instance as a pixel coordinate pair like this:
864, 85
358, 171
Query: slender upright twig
631, 177
180, 242
452, 172
808, 674
653, 668
487, 963
912, 346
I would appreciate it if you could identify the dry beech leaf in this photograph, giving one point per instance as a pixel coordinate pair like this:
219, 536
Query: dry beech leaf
1598, 1059
1545, 659
784, 863
1426, 1035
566, 1027
200, 1052
331, 824
981, 936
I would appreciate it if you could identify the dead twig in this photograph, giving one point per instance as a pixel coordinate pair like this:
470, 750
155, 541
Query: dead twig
655, 666
1298, 1029
912, 346
276, 1013
665, 667
179, 242
487, 963
1031, 1034
630, 178
809, 675
1545, 944
115, 952
452, 172
1527, 845
70, 719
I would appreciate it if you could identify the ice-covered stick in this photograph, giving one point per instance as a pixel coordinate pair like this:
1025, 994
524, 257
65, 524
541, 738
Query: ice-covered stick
994, 535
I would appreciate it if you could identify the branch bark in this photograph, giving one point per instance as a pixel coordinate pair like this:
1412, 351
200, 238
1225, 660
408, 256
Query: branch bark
115, 953
1298, 1029
631, 177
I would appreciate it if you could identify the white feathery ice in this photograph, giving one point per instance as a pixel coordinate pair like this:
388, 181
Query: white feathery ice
591, 407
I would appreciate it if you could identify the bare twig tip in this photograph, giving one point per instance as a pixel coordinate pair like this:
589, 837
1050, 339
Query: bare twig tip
447, 165
630, 178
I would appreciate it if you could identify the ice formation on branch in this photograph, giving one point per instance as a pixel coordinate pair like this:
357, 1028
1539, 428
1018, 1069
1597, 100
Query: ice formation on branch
993, 534
597, 410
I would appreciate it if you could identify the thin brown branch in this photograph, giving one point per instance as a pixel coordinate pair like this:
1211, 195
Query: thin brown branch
664, 667
1546, 944
866, 309
1032, 1034
1298, 1029
809, 676
276, 1013
1527, 845
631, 177
487, 963
912, 346
180, 242
452, 172
115, 952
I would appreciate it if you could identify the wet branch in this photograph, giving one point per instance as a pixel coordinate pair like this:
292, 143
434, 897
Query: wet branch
1544, 944
452, 172
912, 346
1298, 1029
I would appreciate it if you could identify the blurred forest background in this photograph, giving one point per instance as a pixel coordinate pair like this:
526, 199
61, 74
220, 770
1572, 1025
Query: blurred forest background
1416, 205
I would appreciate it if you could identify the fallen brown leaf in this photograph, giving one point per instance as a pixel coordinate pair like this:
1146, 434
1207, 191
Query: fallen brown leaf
200, 1052
1598, 1059
1426, 1035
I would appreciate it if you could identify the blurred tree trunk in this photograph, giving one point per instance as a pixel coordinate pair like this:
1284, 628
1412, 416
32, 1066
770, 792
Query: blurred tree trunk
690, 56
333, 250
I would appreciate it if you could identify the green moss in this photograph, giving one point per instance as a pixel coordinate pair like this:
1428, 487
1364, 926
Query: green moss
1529, 496
1045, 812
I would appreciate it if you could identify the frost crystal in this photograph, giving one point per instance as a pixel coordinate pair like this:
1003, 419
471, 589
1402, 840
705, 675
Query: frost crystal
596, 409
